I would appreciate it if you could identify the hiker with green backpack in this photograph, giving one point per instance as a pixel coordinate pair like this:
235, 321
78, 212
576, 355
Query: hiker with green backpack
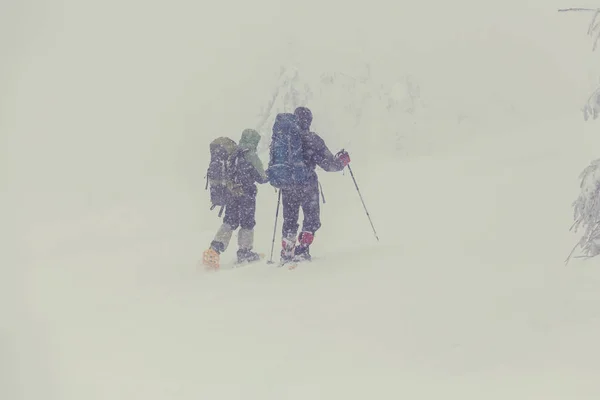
232, 175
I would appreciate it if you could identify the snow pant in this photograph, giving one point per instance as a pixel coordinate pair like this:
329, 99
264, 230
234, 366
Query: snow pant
240, 212
307, 198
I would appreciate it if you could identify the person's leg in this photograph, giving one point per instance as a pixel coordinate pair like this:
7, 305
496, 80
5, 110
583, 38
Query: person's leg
291, 209
211, 257
311, 209
246, 233
231, 221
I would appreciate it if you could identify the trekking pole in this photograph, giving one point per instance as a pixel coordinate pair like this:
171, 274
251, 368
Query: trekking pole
275, 228
363, 202
322, 194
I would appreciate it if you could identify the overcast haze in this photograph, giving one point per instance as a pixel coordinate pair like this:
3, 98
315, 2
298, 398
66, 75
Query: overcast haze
106, 112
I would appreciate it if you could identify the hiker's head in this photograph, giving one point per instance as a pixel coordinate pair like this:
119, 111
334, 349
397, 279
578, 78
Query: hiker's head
304, 117
250, 139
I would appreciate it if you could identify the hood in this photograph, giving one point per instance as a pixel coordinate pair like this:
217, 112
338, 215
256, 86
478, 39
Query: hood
250, 139
305, 118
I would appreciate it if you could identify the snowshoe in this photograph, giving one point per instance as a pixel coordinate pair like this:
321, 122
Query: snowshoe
246, 256
211, 259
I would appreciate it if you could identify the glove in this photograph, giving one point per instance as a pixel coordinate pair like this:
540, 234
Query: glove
344, 157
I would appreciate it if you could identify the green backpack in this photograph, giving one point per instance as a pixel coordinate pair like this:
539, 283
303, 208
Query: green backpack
220, 176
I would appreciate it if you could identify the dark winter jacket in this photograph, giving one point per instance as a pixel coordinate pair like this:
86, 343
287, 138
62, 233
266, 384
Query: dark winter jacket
250, 169
316, 152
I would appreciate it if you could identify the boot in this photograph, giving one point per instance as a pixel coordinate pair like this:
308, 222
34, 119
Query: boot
302, 251
247, 256
245, 244
287, 248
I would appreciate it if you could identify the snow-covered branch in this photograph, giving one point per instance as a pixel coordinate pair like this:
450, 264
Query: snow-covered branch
592, 106
587, 211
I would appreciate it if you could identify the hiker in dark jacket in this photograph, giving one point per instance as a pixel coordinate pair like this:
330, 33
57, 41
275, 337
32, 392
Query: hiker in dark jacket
315, 152
241, 209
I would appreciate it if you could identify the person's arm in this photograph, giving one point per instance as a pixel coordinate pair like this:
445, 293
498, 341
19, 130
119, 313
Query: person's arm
325, 158
261, 175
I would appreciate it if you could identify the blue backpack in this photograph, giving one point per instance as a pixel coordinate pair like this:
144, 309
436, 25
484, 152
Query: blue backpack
286, 162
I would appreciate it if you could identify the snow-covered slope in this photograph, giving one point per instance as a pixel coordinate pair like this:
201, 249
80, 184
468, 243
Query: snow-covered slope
106, 117
465, 295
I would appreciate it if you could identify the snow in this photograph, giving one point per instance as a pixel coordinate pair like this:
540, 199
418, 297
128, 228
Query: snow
106, 117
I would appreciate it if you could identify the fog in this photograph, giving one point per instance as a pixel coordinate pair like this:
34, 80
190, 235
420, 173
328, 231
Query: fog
107, 108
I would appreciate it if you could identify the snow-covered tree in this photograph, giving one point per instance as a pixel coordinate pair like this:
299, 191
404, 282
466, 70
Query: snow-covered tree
587, 211
361, 109
592, 106
587, 205
290, 91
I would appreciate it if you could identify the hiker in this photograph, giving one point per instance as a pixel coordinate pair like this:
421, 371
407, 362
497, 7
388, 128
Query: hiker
244, 170
305, 193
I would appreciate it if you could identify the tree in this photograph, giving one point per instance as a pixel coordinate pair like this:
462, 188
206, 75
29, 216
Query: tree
592, 106
587, 205
290, 92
